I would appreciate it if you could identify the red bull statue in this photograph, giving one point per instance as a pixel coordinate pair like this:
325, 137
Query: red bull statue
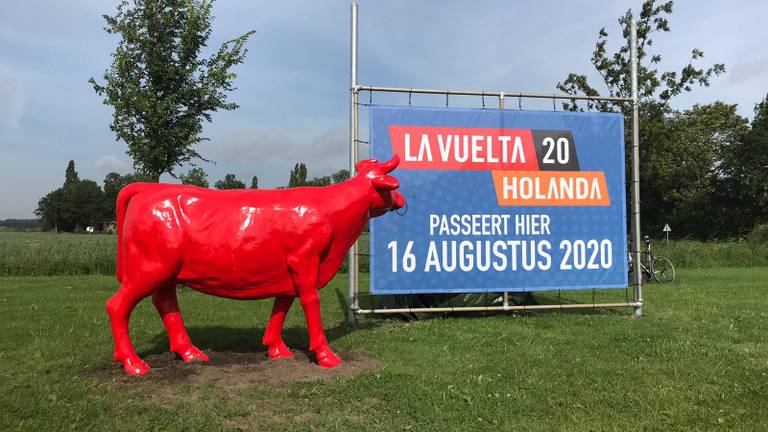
240, 244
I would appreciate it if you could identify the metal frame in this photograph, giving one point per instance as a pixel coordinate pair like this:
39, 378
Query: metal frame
354, 156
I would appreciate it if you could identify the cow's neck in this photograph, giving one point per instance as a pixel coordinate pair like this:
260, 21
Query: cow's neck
349, 210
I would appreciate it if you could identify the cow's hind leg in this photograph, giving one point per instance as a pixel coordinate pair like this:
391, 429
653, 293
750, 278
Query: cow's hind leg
167, 306
273, 335
119, 308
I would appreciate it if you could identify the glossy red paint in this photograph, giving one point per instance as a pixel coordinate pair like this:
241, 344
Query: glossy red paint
240, 244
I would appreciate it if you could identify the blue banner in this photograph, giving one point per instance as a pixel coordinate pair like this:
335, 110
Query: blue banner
500, 200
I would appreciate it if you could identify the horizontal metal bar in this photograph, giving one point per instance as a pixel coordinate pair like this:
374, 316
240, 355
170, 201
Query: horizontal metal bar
490, 93
497, 308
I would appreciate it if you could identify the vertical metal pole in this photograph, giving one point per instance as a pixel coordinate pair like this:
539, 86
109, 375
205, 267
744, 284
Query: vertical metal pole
353, 158
635, 208
505, 305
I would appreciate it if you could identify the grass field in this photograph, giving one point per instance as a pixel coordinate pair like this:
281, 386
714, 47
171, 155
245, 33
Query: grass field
50, 254
697, 360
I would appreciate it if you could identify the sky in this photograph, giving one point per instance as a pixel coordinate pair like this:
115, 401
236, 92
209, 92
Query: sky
293, 89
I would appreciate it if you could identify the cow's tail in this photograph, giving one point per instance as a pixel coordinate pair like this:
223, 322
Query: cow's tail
123, 198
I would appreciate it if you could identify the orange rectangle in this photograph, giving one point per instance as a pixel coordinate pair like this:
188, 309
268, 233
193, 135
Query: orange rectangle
551, 188
455, 148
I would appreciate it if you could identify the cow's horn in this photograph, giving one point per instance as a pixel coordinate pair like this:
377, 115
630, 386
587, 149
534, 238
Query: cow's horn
391, 164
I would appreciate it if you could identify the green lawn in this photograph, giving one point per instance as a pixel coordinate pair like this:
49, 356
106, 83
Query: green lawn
697, 360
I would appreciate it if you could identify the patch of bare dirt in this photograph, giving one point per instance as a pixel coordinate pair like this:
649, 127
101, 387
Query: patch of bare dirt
229, 371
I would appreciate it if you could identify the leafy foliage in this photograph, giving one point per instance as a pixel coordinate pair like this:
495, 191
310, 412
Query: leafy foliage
615, 68
298, 175
229, 182
75, 205
159, 86
745, 172
700, 169
195, 177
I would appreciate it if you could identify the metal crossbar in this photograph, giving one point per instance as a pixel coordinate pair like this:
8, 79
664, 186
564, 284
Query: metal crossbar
496, 308
499, 94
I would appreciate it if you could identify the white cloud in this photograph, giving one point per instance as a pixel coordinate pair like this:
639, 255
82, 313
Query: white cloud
11, 99
111, 163
324, 153
747, 71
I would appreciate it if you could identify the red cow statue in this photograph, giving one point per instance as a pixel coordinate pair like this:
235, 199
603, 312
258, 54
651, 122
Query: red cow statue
240, 244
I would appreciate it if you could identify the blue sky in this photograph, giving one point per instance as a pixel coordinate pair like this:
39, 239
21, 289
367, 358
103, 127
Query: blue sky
293, 87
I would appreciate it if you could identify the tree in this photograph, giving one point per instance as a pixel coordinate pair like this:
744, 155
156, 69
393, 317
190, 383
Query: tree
255, 182
655, 91
85, 205
195, 177
318, 181
340, 176
70, 175
49, 209
113, 184
615, 68
298, 176
745, 173
229, 182
159, 86
688, 170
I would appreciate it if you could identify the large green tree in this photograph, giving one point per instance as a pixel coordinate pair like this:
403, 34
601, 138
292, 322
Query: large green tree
654, 87
658, 122
160, 86
75, 205
50, 210
745, 174
687, 168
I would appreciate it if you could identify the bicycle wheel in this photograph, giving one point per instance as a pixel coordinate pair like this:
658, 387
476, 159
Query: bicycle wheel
663, 270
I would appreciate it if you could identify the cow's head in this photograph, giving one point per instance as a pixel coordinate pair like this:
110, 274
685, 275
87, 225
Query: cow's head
383, 195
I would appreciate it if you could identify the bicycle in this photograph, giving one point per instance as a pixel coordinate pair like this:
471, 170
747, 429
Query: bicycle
656, 267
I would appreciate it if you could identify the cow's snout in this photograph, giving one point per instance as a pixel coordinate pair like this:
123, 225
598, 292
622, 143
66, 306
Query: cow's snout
398, 200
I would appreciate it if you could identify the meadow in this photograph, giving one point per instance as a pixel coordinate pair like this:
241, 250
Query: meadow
51, 254
697, 360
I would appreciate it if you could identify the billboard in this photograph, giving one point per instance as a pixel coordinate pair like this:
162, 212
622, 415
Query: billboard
500, 200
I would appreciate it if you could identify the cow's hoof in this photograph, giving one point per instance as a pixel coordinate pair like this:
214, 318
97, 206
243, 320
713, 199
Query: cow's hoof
279, 351
327, 358
192, 354
134, 366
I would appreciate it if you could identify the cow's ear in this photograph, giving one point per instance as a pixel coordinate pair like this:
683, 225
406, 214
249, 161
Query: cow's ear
365, 165
385, 183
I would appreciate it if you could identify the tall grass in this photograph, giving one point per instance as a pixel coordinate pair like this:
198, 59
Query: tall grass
697, 254
50, 254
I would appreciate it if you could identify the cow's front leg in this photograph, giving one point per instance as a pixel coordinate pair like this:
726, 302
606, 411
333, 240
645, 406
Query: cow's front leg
305, 274
273, 335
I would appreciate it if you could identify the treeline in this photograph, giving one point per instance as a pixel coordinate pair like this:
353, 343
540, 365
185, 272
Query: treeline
20, 224
704, 170
81, 203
